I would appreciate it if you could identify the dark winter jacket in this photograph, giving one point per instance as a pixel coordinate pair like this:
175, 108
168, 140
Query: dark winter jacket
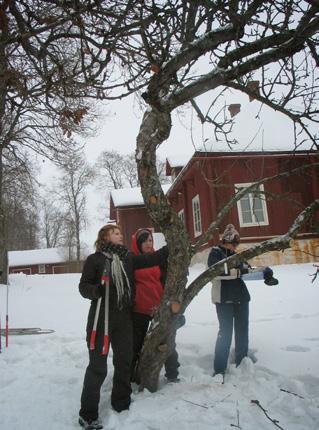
90, 283
149, 285
227, 291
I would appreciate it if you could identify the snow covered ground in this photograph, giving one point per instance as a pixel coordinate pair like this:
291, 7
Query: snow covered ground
41, 375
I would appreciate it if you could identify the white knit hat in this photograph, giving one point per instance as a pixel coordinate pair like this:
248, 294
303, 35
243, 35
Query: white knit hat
230, 234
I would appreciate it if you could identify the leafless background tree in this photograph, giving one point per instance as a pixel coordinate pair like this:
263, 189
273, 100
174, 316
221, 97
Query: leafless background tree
115, 171
53, 58
70, 190
53, 219
20, 202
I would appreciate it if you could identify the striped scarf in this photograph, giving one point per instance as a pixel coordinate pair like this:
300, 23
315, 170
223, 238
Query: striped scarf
118, 253
115, 253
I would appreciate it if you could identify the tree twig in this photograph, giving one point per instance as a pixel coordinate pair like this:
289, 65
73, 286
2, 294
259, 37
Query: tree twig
256, 402
290, 392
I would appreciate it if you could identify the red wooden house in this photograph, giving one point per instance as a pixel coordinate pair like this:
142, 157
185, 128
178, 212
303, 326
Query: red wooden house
38, 261
209, 179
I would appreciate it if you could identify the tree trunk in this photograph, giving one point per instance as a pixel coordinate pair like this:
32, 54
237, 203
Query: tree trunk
155, 128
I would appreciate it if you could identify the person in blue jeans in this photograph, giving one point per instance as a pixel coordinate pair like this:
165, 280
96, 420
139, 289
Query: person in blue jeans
231, 297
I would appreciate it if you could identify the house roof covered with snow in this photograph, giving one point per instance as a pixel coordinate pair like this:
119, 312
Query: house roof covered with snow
36, 256
130, 196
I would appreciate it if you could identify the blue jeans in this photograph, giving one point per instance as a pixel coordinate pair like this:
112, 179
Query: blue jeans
231, 315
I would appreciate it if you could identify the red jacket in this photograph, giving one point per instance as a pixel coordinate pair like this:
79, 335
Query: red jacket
149, 287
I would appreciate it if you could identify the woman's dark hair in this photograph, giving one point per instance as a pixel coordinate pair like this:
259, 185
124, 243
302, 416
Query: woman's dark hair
141, 237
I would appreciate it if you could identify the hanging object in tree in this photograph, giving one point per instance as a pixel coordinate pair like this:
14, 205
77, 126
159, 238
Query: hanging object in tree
234, 109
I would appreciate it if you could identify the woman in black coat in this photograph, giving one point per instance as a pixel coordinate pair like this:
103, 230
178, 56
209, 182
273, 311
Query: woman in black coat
108, 281
231, 298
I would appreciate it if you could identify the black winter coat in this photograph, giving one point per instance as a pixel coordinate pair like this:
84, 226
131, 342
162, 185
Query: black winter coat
233, 290
90, 284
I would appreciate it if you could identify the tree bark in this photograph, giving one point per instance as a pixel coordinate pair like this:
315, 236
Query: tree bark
154, 130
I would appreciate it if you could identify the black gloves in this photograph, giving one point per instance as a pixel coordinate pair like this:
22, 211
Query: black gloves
269, 278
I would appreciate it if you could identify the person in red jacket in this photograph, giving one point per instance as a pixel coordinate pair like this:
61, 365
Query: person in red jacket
149, 283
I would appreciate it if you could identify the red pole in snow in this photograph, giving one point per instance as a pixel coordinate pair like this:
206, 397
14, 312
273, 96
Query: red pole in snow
7, 317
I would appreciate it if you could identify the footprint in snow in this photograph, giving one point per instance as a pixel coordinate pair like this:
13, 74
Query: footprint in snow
296, 348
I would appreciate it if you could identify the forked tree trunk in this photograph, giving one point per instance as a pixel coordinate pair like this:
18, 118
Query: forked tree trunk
155, 128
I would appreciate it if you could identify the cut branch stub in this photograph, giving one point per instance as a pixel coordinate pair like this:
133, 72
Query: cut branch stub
162, 347
153, 200
253, 86
234, 109
175, 307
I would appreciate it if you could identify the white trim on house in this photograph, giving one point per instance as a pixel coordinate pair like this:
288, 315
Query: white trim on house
247, 214
181, 215
197, 221
41, 268
22, 270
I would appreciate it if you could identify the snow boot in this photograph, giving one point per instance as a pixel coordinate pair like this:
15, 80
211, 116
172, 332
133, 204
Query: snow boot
90, 424
219, 378
173, 380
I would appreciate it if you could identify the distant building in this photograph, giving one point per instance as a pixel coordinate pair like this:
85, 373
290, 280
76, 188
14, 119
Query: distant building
41, 261
127, 209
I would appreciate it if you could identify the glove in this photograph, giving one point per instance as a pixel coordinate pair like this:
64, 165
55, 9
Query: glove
235, 272
269, 278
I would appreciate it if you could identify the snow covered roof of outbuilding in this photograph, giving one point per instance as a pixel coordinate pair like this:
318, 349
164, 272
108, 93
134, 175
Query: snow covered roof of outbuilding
178, 160
36, 256
130, 196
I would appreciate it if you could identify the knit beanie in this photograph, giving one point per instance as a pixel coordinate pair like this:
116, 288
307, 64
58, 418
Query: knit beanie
230, 235
141, 237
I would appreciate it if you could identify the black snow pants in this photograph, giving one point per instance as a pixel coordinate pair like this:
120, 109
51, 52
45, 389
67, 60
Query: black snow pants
121, 341
140, 327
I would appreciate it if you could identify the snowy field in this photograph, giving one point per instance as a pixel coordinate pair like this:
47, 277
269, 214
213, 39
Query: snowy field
41, 375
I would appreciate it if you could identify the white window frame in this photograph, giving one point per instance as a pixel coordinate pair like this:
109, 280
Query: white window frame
254, 223
41, 268
197, 218
181, 215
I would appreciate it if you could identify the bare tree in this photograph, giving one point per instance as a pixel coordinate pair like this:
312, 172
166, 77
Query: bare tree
52, 221
70, 189
20, 203
53, 58
115, 170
